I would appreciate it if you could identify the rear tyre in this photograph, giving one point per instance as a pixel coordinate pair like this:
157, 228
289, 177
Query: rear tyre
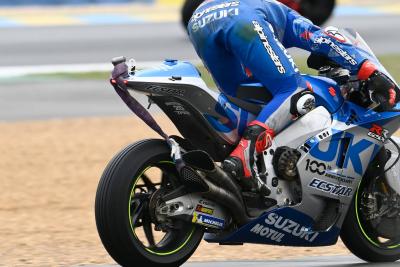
371, 230
125, 209
187, 11
318, 11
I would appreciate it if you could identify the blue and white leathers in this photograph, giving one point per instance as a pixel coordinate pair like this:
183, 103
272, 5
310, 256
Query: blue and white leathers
245, 41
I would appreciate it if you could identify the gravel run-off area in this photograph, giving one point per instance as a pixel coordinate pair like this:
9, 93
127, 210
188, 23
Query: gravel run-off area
49, 172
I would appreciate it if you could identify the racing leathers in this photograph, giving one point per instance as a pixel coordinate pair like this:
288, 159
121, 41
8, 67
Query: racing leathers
245, 41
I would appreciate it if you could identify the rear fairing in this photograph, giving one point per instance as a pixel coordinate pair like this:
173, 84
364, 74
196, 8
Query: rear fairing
204, 117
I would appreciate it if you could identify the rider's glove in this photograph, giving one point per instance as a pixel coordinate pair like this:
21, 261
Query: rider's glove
382, 89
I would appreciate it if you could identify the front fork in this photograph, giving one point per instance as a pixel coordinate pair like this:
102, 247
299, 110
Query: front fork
392, 166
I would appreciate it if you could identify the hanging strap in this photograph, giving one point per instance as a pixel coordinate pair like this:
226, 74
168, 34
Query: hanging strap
120, 85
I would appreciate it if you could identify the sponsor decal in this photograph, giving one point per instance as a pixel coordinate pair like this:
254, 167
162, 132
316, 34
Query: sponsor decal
267, 232
204, 209
275, 58
321, 168
316, 167
277, 227
217, 15
199, 14
336, 48
342, 179
308, 104
207, 220
165, 90
178, 108
378, 132
331, 188
289, 57
335, 34
354, 151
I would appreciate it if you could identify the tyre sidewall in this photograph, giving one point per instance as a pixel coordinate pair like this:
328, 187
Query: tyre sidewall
354, 239
126, 171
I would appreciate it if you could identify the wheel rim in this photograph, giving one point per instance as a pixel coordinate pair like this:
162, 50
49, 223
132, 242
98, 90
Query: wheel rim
369, 230
146, 184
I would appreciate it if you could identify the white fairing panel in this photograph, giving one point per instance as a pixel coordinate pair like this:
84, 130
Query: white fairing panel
304, 128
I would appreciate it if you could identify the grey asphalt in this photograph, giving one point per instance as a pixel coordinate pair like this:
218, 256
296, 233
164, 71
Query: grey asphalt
54, 99
147, 42
329, 261
93, 44
48, 99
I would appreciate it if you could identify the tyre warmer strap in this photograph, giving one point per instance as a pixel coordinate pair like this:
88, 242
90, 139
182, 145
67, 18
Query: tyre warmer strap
119, 84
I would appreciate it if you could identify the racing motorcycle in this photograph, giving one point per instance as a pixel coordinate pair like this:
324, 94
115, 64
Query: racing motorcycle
332, 172
318, 11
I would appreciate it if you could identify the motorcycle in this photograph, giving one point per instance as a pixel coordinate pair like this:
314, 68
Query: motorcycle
332, 172
318, 11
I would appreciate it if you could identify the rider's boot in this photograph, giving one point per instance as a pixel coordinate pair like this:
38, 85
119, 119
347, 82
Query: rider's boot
256, 138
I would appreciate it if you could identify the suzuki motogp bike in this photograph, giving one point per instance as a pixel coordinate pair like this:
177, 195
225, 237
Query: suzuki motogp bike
318, 11
332, 172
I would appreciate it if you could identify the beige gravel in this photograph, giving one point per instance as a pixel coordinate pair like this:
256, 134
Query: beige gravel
49, 172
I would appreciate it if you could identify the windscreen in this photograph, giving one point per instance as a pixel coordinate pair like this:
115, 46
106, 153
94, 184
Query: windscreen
355, 39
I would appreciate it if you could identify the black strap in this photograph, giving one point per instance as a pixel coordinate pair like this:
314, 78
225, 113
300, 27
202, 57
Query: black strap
120, 87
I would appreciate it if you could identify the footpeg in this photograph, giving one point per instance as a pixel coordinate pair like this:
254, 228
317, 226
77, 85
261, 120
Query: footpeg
233, 166
264, 190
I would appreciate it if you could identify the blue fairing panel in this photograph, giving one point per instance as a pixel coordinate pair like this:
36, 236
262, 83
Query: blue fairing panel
170, 68
326, 91
284, 226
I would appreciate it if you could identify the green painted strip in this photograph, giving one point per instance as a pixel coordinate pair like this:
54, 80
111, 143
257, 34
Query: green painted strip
362, 229
358, 219
133, 229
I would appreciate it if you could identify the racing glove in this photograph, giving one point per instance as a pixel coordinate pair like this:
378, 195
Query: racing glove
382, 89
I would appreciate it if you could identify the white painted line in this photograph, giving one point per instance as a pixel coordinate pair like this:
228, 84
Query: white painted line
15, 71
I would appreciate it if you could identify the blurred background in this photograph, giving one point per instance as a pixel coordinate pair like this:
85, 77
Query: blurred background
61, 122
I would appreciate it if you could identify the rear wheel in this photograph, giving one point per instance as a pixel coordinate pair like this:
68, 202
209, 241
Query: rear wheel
129, 191
189, 6
371, 229
318, 11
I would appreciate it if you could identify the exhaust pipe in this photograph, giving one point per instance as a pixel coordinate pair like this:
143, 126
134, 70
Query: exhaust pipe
215, 184
200, 160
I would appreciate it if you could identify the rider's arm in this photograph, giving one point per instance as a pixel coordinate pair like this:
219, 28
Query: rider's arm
302, 33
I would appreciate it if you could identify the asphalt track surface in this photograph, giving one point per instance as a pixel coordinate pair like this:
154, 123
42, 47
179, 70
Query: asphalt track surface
331, 261
54, 99
49, 99
147, 42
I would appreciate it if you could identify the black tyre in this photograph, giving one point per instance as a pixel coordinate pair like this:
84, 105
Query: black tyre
187, 10
371, 230
318, 11
124, 209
